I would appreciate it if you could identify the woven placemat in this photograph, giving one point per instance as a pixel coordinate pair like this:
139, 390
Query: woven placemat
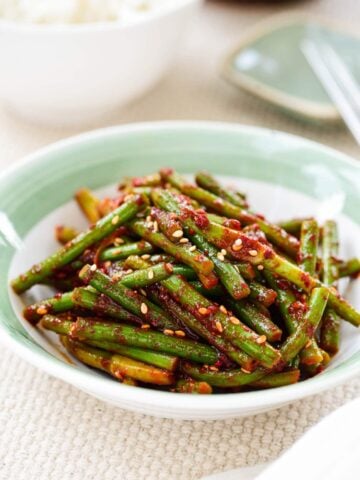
50, 430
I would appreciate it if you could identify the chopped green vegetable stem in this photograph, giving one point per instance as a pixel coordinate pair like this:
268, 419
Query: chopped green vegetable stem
330, 327
118, 366
76, 247
181, 286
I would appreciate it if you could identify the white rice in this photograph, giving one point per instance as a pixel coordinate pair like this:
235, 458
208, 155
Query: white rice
76, 11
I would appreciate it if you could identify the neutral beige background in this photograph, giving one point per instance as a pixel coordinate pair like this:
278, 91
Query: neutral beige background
49, 430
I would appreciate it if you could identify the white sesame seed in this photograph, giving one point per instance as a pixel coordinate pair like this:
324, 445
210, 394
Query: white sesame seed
118, 241
253, 253
117, 276
150, 275
260, 267
223, 251
178, 234
220, 256
155, 226
93, 267
115, 220
223, 309
244, 370
219, 327
237, 245
180, 333
142, 291
234, 320
148, 218
184, 240
42, 310
144, 308
260, 340
213, 368
203, 311
167, 331
146, 256
192, 249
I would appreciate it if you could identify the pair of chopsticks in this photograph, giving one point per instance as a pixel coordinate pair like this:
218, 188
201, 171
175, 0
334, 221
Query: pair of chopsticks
336, 79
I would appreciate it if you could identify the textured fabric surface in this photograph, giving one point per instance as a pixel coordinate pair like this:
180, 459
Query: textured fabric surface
50, 430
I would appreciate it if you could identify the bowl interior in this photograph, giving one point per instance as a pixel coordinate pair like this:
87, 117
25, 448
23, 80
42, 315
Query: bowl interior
284, 177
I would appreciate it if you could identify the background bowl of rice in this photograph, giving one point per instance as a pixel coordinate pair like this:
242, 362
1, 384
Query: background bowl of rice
70, 69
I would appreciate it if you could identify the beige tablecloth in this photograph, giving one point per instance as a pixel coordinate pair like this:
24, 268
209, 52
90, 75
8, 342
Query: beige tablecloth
49, 430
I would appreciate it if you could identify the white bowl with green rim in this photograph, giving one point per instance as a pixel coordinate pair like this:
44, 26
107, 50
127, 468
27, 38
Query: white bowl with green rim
284, 175
72, 74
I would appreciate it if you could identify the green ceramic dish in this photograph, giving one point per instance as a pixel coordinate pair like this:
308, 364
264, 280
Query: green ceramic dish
270, 65
284, 176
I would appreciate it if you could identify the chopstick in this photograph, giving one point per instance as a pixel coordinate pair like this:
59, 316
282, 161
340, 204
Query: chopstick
344, 75
337, 81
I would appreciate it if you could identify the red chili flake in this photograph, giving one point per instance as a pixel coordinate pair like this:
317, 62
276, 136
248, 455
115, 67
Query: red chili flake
283, 284
165, 172
212, 309
137, 182
140, 200
201, 219
269, 253
305, 278
232, 223
169, 268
